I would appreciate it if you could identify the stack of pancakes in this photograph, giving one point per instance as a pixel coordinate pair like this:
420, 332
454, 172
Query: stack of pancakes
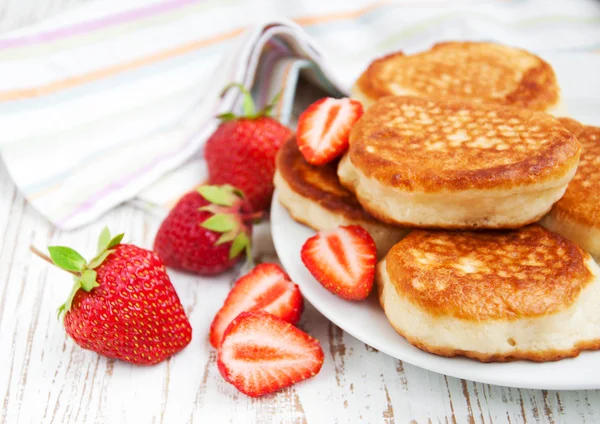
458, 143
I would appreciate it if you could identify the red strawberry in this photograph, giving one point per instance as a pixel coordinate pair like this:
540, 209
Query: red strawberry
261, 354
265, 288
123, 304
206, 232
324, 128
342, 260
242, 151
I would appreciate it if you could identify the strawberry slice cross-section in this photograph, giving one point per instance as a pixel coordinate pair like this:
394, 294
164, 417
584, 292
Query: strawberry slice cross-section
324, 128
261, 354
342, 260
265, 288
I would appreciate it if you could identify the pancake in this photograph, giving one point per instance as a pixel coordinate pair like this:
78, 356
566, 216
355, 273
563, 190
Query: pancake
492, 296
479, 72
577, 214
457, 165
314, 197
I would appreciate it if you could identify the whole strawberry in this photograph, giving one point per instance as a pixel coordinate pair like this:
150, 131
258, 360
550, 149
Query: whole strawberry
207, 231
242, 151
122, 304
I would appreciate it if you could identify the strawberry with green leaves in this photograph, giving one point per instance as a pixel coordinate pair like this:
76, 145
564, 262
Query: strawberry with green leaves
122, 304
207, 232
242, 150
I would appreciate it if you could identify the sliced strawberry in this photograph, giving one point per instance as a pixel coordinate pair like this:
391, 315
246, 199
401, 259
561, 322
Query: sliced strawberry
342, 260
324, 128
261, 354
265, 288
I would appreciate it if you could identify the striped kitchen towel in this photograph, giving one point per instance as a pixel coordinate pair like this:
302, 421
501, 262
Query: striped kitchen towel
112, 101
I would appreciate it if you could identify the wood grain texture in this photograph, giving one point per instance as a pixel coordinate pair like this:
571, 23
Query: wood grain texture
46, 378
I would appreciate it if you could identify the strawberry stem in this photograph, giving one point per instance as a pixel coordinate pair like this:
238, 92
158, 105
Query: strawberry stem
45, 257
254, 216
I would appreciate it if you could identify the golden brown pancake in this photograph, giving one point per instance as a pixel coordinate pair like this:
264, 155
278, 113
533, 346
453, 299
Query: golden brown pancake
314, 196
479, 72
456, 164
577, 214
493, 296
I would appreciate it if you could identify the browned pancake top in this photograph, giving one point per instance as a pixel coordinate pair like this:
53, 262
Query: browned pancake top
488, 275
483, 72
581, 201
417, 144
318, 183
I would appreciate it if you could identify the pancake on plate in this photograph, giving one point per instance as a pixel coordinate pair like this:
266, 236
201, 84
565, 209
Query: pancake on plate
455, 164
480, 72
577, 214
314, 197
492, 296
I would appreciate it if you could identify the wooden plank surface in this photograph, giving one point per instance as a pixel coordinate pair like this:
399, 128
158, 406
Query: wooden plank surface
46, 378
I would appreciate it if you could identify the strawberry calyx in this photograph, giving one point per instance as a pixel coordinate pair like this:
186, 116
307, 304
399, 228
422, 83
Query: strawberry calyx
248, 105
229, 217
83, 271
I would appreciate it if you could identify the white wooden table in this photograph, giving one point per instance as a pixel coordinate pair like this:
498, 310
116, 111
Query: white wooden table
46, 378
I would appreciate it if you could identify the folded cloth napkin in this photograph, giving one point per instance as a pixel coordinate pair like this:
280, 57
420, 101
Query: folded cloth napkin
112, 101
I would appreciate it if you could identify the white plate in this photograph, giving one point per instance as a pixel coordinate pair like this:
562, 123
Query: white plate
366, 321
578, 76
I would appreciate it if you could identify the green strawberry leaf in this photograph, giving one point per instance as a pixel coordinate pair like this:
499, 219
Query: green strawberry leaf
66, 258
103, 240
276, 98
247, 102
98, 260
229, 116
240, 242
239, 193
269, 108
226, 237
62, 309
218, 195
248, 105
221, 223
66, 307
116, 240
88, 280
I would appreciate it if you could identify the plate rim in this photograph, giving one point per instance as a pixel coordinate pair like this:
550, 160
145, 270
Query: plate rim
277, 209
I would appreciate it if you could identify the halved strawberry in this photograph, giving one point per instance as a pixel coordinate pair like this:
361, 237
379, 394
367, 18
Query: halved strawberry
324, 128
342, 260
261, 354
265, 288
